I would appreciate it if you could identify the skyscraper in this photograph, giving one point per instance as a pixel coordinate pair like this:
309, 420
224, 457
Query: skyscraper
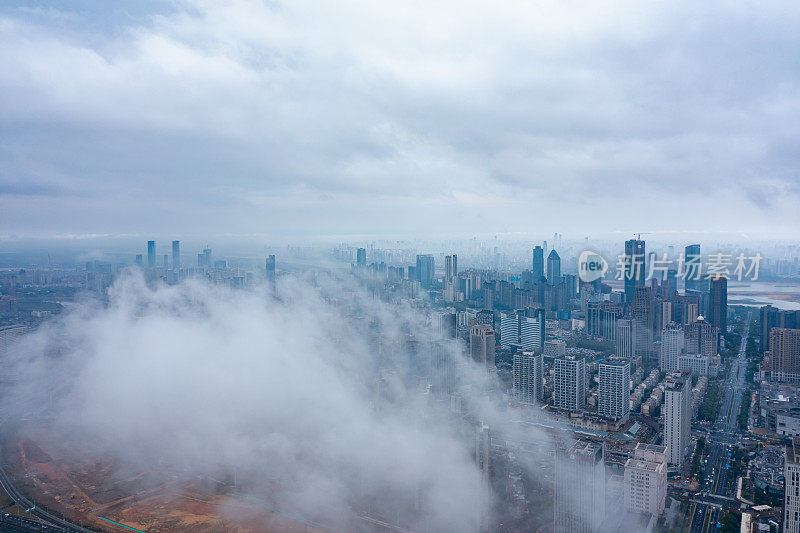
139, 261
10, 335
642, 310
601, 318
553, 268
482, 461
718, 303
672, 346
643, 306
425, 270
646, 479
770, 317
450, 268
671, 283
270, 264
570, 383
579, 488
538, 264
488, 294
677, 418
361, 257
176, 254
481, 344
664, 313
613, 391
701, 337
634, 271
692, 268
151, 254
791, 487
784, 349
532, 331
509, 329
442, 370
528, 369
204, 259
520, 328
625, 338
570, 286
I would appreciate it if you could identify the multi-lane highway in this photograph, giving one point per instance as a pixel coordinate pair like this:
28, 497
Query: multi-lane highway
56, 523
714, 480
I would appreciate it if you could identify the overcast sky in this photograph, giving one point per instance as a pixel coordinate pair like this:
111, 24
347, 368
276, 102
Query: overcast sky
328, 118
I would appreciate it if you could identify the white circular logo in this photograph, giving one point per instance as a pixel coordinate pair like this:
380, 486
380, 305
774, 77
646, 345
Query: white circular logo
591, 266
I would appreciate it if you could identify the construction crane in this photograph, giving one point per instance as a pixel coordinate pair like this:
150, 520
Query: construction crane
639, 235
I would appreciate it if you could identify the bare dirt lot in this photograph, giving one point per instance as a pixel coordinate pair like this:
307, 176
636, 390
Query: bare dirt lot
84, 489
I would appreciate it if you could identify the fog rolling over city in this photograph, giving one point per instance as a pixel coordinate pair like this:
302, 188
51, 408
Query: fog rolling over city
273, 266
314, 403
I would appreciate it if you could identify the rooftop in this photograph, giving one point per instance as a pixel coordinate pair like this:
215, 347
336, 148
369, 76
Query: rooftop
585, 449
655, 448
614, 362
651, 466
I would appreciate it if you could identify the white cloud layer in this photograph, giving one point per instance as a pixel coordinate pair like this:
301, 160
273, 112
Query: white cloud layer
193, 379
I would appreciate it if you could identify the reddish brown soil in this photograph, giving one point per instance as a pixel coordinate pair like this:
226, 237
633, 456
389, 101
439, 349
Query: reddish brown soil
83, 489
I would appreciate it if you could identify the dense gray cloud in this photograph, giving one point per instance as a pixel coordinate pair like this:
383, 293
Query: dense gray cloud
319, 118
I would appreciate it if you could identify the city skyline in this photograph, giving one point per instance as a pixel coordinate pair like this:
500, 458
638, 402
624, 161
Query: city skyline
272, 266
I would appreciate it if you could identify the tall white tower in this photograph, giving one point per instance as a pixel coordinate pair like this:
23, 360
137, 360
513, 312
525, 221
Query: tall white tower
613, 391
677, 418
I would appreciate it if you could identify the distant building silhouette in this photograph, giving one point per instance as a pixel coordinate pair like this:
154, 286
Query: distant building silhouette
692, 268
634, 272
450, 268
176, 254
151, 254
425, 270
538, 264
270, 264
204, 259
718, 303
553, 268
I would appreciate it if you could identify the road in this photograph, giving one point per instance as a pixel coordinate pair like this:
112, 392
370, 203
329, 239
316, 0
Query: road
17, 524
714, 480
57, 524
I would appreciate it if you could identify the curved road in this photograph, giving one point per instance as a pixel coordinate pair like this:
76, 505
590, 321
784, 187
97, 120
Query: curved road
50, 519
